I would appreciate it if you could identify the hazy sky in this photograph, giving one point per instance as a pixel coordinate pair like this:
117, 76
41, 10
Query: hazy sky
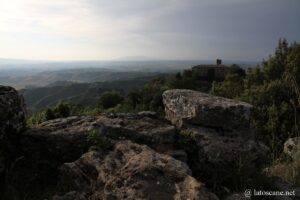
162, 29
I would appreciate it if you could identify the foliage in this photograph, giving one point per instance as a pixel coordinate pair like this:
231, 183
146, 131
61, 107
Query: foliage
110, 99
99, 141
149, 97
231, 87
60, 110
273, 89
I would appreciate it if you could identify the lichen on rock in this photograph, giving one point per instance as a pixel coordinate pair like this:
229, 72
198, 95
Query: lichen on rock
188, 106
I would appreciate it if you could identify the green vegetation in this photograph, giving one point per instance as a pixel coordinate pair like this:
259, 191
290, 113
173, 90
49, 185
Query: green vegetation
60, 110
110, 99
147, 98
99, 142
273, 89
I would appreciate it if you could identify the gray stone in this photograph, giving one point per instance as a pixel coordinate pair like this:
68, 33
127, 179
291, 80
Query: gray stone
225, 157
130, 171
292, 148
192, 107
65, 139
12, 111
237, 196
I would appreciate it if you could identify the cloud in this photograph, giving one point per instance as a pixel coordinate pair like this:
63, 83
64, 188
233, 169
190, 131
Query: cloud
96, 29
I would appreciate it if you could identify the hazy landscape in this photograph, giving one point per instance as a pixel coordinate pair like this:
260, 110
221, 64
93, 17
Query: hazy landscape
149, 100
46, 83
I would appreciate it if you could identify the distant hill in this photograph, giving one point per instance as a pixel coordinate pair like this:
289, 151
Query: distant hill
27, 74
78, 93
88, 75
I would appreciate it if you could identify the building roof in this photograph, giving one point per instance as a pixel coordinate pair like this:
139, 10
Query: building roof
211, 66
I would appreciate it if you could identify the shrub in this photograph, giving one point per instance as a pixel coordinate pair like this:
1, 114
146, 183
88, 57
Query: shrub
99, 141
110, 99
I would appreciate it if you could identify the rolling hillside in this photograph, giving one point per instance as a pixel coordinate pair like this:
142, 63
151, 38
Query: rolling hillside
79, 93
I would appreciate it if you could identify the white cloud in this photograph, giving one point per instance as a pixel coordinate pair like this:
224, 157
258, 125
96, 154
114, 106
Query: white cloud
96, 29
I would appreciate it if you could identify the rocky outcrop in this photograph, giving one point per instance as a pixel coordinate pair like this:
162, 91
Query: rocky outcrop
129, 171
221, 142
66, 139
12, 109
292, 148
187, 106
224, 157
12, 123
134, 156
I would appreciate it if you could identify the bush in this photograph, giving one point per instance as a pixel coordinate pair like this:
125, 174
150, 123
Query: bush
99, 142
110, 99
273, 89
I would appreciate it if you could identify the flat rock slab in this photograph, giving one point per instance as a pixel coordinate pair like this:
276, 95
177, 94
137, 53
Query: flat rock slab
66, 138
192, 107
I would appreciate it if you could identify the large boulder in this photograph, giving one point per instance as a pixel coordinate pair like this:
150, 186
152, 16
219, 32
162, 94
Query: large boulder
192, 107
129, 171
12, 111
292, 148
217, 135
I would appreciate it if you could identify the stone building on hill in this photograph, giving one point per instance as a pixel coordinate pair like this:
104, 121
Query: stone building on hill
210, 72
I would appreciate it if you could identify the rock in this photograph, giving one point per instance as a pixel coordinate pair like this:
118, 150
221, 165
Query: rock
129, 171
217, 155
12, 109
237, 196
292, 148
65, 139
178, 155
147, 113
284, 185
12, 122
2, 165
192, 107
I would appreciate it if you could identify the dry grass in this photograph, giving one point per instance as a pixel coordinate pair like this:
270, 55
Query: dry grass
288, 171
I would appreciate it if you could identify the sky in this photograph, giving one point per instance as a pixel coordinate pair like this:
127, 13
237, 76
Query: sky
156, 29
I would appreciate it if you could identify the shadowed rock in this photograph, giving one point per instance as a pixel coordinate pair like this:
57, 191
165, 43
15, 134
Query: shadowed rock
12, 111
65, 139
222, 145
222, 157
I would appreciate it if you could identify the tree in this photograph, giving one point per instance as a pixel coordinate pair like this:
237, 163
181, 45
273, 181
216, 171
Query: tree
49, 114
231, 87
273, 89
110, 99
62, 110
133, 98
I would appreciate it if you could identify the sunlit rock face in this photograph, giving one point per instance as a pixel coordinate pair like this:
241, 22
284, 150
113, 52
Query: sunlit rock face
129, 171
192, 107
12, 111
